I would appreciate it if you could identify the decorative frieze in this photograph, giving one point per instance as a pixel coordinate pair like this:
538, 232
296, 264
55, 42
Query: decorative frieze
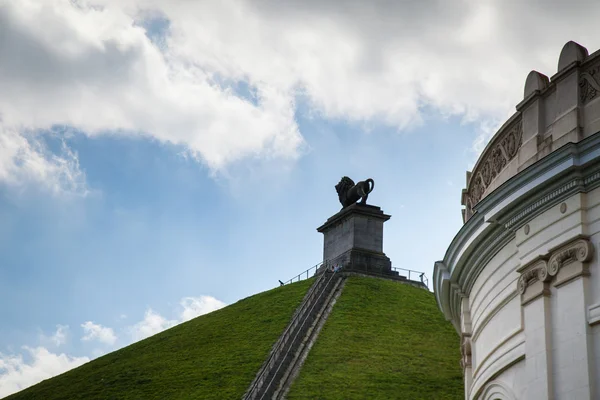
589, 84
502, 150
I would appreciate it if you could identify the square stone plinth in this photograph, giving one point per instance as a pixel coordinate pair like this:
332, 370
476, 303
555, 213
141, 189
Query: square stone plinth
354, 238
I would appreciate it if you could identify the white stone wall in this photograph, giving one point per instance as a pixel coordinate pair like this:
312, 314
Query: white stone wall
521, 280
539, 345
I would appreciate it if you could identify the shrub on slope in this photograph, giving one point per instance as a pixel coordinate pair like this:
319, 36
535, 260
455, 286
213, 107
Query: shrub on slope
383, 340
214, 356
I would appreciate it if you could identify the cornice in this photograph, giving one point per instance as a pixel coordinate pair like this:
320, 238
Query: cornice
560, 75
573, 168
367, 210
561, 192
493, 243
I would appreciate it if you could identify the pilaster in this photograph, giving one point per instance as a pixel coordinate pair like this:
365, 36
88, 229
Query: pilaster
572, 350
465, 344
534, 288
558, 347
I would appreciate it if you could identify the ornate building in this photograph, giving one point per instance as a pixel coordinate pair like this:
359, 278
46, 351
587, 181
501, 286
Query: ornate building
520, 281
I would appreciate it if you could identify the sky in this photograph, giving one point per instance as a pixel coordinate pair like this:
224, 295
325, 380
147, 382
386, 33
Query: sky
162, 159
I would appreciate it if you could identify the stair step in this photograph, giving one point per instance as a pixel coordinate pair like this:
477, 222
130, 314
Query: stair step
290, 347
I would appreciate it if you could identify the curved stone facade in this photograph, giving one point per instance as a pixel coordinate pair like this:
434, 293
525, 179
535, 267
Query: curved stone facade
521, 280
553, 112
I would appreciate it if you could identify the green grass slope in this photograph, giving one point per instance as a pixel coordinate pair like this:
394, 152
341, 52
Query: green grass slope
215, 356
383, 340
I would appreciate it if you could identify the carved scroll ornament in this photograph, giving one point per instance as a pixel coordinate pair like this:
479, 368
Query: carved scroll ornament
578, 250
537, 272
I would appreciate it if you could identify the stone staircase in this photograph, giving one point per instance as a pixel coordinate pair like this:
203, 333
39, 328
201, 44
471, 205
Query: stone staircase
288, 354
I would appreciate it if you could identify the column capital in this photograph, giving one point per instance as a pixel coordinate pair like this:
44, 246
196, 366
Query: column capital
540, 272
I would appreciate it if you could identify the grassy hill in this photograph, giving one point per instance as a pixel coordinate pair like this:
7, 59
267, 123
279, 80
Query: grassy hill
214, 356
383, 340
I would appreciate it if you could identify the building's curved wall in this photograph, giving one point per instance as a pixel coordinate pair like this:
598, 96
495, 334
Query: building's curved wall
505, 385
495, 317
504, 327
553, 112
521, 280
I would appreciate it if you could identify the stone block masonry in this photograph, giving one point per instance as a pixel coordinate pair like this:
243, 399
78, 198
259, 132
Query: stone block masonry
353, 238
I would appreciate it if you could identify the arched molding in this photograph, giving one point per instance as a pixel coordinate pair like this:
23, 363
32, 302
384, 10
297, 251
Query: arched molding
497, 390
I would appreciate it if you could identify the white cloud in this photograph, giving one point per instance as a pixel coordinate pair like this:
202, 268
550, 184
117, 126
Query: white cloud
191, 307
196, 306
56, 339
24, 158
152, 324
487, 129
17, 374
90, 65
98, 332
60, 336
380, 60
93, 69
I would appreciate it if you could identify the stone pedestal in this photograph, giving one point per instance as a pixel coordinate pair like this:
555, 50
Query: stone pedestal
353, 238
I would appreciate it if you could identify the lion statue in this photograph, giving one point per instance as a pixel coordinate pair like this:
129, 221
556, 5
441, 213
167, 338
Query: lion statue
349, 193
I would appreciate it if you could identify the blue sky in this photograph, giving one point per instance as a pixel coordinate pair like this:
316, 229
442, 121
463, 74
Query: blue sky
156, 227
156, 165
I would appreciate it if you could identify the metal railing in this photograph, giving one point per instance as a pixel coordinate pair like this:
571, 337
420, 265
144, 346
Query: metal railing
284, 339
411, 275
293, 340
304, 274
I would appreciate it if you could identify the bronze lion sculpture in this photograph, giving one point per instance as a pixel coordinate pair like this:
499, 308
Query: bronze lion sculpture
349, 193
